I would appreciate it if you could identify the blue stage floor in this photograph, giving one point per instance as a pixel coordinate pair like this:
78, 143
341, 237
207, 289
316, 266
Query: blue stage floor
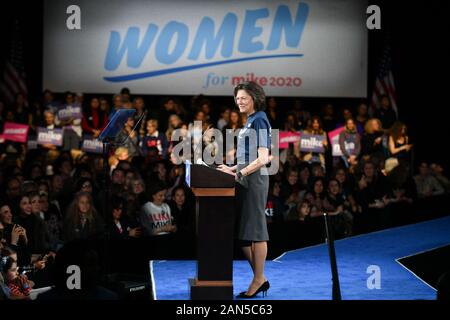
304, 274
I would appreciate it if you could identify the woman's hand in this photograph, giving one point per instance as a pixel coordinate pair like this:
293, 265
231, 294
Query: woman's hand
226, 169
96, 133
170, 228
15, 234
135, 232
362, 183
23, 233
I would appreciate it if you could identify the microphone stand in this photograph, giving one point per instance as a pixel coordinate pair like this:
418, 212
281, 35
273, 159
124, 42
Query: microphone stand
107, 143
334, 271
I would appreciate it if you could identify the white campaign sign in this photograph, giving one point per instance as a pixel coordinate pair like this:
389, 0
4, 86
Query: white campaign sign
292, 48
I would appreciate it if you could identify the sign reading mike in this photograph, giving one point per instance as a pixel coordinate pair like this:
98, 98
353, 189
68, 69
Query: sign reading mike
92, 145
50, 136
286, 137
15, 132
70, 112
312, 143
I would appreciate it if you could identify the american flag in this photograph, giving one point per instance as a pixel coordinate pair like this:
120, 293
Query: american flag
384, 84
13, 76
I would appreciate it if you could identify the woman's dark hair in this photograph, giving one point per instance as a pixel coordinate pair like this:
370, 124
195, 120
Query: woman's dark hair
255, 91
396, 130
354, 123
118, 202
313, 183
7, 251
32, 194
6, 263
333, 179
156, 187
176, 189
310, 124
81, 181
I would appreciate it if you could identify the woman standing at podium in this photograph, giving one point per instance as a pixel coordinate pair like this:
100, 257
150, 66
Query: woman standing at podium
253, 182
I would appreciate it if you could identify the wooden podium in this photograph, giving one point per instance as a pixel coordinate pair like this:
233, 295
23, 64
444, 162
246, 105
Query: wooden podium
214, 193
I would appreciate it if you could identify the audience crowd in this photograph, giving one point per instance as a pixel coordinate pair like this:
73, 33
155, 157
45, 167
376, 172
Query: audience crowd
134, 205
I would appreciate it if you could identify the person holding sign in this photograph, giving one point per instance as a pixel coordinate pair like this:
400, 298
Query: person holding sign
314, 128
69, 118
49, 117
350, 144
254, 143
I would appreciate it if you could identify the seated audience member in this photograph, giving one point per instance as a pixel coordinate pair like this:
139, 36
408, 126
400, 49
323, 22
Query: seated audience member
350, 144
438, 172
315, 127
275, 207
316, 196
347, 188
155, 138
33, 225
119, 227
372, 194
301, 212
16, 286
317, 170
82, 220
49, 117
180, 210
174, 123
53, 222
427, 185
94, 119
224, 118
291, 123
372, 141
14, 235
290, 192
156, 217
338, 209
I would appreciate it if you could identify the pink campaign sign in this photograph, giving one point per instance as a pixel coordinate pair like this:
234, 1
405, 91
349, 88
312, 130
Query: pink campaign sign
15, 132
334, 138
286, 137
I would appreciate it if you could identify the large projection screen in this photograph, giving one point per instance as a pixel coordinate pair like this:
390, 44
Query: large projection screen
292, 48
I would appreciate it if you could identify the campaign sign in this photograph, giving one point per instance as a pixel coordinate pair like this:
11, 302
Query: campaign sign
15, 132
50, 136
334, 138
286, 137
70, 112
92, 145
187, 47
312, 143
